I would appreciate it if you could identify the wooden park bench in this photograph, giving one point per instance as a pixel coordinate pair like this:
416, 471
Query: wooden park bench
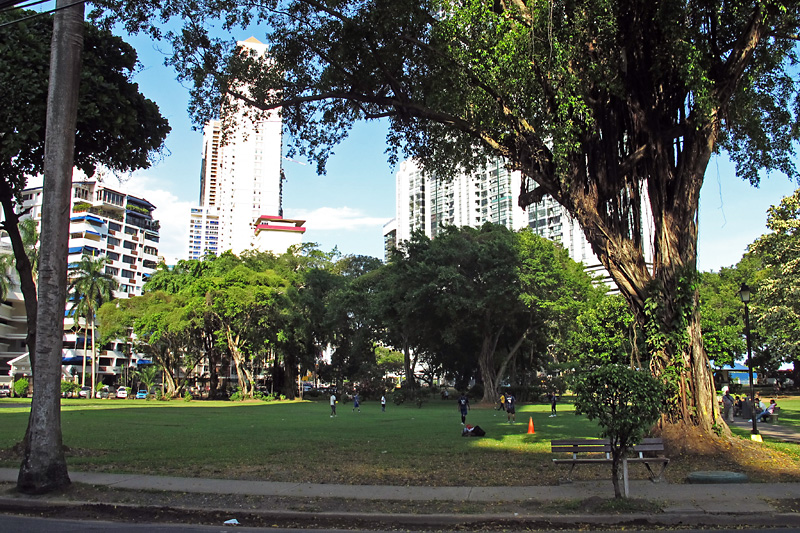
587, 451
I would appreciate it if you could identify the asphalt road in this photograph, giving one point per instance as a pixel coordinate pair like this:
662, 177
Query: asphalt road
23, 524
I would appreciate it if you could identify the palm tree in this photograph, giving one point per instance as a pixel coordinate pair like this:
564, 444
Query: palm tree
80, 309
148, 375
90, 287
6, 264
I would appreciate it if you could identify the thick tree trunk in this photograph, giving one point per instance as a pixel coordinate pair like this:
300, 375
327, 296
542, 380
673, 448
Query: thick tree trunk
290, 374
44, 467
650, 255
488, 371
94, 354
408, 367
169, 382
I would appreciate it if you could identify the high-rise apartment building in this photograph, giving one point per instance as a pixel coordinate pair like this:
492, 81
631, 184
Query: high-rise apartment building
428, 203
107, 221
104, 221
241, 181
488, 195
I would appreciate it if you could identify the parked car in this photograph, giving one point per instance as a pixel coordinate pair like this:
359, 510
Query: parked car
5, 392
122, 392
103, 393
142, 394
84, 392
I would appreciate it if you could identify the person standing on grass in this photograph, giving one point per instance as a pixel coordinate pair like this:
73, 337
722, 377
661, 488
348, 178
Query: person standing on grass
356, 404
383, 403
333, 405
463, 406
511, 408
552, 397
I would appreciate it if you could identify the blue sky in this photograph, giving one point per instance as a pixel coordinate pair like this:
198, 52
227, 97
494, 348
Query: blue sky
347, 207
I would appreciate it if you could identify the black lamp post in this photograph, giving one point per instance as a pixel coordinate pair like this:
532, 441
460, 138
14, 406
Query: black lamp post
744, 294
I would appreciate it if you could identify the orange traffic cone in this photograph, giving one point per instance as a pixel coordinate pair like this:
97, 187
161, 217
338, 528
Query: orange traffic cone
531, 431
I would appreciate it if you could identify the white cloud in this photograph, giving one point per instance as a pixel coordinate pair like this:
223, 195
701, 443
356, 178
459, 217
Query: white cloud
335, 218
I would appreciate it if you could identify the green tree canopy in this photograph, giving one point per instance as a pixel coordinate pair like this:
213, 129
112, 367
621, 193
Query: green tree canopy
118, 128
776, 303
605, 333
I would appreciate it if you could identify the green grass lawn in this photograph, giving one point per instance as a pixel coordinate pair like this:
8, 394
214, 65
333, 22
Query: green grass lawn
298, 441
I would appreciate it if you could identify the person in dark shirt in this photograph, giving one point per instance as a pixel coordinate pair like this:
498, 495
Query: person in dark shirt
463, 406
511, 411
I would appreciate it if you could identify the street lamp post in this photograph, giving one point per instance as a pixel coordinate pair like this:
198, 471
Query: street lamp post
744, 294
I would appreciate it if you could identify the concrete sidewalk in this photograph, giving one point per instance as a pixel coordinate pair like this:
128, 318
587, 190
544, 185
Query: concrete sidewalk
681, 498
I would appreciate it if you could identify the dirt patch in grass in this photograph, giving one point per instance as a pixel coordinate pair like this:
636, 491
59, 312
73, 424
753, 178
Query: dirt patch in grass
690, 451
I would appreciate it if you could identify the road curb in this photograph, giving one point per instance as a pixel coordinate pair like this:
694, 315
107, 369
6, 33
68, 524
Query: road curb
264, 517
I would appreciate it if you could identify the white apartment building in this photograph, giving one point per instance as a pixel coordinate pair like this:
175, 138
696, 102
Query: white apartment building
241, 181
103, 221
428, 203
13, 326
107, 221
488, 195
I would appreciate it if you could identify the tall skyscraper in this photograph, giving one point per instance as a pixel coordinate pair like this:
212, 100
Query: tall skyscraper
240, 182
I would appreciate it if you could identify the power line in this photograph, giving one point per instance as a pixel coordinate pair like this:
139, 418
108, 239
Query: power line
35, 3
7, 6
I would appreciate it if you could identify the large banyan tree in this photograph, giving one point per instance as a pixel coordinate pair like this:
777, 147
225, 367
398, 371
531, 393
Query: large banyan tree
612, 107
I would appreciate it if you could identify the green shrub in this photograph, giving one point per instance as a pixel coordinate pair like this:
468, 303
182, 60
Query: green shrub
236, 395
406, 394
21, 387
187, 396
68, 387
624, 402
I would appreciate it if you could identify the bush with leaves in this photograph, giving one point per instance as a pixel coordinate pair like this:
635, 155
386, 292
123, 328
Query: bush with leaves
21, 387
624, 402
69, 387
236, 395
